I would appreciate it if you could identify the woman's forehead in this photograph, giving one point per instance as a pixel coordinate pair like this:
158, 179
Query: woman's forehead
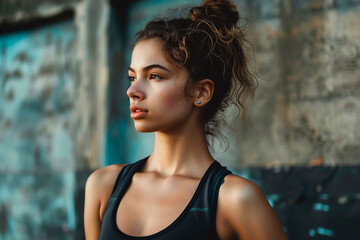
149, 52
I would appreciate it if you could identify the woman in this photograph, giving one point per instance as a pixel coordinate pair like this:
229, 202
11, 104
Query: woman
182, 72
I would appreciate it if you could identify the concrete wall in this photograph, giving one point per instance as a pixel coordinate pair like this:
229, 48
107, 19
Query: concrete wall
37, 149
53, 83
307, 106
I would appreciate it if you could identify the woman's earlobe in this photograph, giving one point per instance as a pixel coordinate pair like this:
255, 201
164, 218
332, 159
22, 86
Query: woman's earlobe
205, 90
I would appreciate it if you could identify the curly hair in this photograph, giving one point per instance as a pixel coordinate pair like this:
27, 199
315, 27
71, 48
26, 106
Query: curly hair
210, 46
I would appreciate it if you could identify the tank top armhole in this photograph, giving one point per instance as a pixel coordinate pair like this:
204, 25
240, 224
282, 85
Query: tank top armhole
215, 194
123, 172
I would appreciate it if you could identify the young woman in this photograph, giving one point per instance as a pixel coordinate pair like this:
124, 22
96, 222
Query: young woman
182, 72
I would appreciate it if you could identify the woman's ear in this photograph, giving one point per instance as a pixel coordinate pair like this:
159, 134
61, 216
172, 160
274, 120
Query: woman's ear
204, 90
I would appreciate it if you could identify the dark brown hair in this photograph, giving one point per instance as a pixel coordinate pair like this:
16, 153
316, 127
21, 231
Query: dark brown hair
210, 46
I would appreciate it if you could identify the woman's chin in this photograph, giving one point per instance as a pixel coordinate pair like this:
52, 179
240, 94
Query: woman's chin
144, 129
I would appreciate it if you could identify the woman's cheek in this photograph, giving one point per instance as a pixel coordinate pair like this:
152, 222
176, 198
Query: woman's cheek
171, 99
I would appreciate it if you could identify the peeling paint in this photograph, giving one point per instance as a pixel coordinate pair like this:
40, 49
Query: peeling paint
321, 207
312, 233
325, 232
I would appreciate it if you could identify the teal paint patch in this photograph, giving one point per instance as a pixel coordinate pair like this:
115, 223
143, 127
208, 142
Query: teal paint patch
324, 196
321, 207
312, 233
199, 209
325, 232
273, 198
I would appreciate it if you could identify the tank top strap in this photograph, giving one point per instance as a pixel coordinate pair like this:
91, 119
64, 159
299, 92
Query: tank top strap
125, 176
214, 186
208, 199
203, 211
123, 180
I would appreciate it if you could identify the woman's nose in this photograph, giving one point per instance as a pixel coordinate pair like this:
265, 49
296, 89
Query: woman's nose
134, 92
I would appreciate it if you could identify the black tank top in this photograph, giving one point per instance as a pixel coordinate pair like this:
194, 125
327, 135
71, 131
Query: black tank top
197, 221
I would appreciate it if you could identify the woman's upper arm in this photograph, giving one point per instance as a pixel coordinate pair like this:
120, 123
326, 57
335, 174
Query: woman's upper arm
247, 210
92, 221
98, 189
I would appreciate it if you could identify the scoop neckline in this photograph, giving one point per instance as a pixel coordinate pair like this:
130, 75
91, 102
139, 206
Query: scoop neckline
173, 223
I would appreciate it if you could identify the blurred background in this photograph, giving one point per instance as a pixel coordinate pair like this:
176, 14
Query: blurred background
64, 111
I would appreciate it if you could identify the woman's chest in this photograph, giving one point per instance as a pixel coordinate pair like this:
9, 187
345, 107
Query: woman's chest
152, 203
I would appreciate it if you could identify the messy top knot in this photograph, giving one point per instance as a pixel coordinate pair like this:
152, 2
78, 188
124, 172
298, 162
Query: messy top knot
210, 46
218, 11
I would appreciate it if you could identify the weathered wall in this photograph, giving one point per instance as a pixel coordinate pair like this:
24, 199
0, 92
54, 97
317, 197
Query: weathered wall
19, 9
307, 106
53, 82
36, 148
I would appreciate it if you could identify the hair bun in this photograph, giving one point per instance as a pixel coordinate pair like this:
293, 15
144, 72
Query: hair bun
218, 11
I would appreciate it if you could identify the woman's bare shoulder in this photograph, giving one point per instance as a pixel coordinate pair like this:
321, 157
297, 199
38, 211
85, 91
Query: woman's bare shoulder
98, 189
101, 182
236, 188
245, 207
239, 199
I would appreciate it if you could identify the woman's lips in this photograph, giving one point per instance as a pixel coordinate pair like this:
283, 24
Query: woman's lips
138, 112
138, 115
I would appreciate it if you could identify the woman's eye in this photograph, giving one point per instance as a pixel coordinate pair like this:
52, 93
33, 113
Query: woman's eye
154, 76
131, 79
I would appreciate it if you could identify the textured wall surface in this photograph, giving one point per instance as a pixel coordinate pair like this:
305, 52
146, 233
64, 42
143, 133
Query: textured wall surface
307, 106
53, 81
16, 10
36, 144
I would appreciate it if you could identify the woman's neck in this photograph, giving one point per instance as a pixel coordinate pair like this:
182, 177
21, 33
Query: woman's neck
181, 152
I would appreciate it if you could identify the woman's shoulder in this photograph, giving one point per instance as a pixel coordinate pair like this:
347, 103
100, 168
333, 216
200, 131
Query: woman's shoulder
99, 186
237, 188
240, 192
101, 182
103, 178
243, 205
240, 195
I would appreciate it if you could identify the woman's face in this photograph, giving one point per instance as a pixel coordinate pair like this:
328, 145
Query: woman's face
157, 98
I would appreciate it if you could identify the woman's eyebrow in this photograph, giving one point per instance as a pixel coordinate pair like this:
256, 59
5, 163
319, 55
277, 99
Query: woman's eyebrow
147, 68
